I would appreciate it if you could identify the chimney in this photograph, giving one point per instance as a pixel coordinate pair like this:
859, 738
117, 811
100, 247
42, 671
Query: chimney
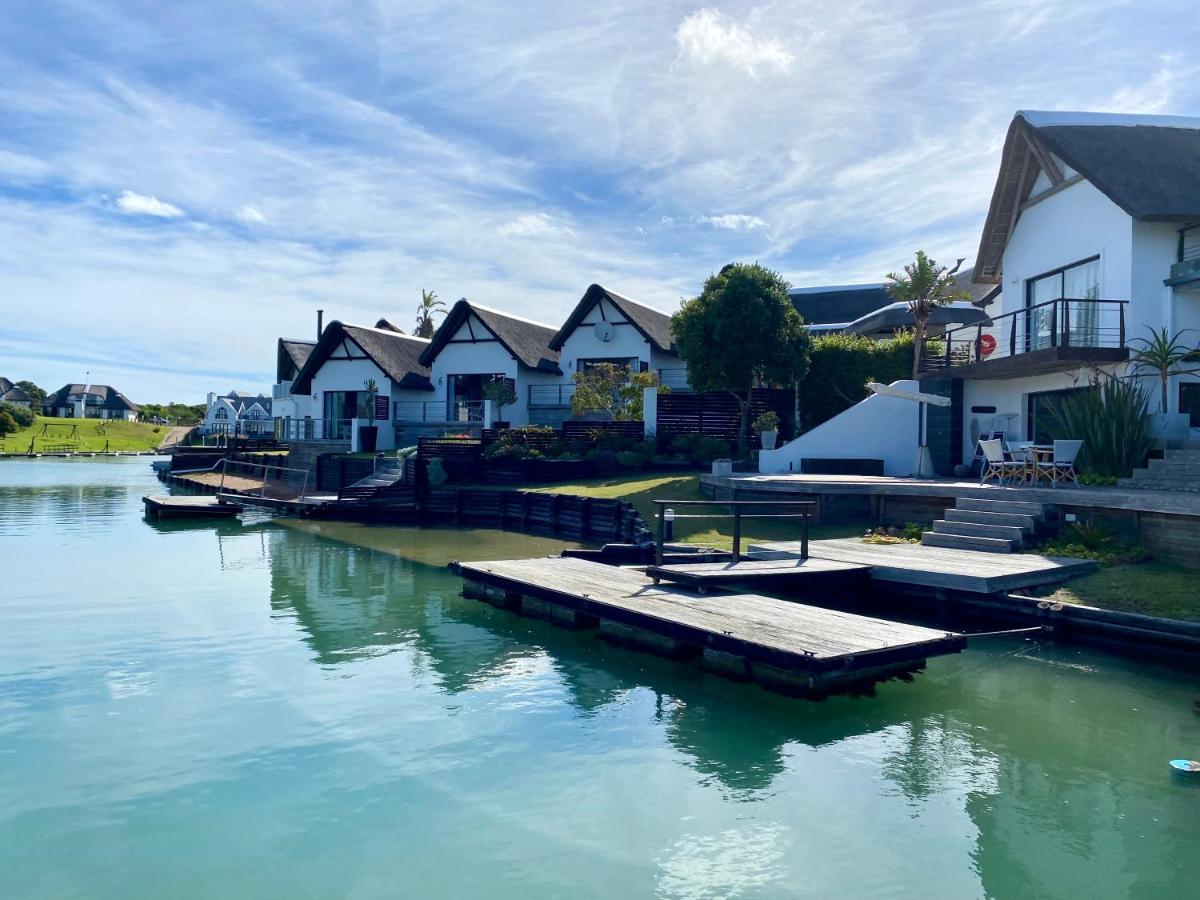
320, 322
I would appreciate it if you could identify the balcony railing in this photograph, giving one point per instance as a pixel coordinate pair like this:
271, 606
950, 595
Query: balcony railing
675, 379
437, 411
282, 391
313, 429
1061, 323
558, 395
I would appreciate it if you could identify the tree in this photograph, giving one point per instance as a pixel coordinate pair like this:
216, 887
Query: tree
1164, 354
36, 394
8, 424
741, 332
923, 287
429, 305
607, 387
501, 393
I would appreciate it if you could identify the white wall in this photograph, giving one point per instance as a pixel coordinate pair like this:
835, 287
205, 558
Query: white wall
875, 428
626, 342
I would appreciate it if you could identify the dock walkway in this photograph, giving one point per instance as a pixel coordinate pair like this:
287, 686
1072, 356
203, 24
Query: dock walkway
162, 506
785, 646
789, 572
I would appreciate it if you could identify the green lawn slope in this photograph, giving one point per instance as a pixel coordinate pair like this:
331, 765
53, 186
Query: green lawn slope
92, 435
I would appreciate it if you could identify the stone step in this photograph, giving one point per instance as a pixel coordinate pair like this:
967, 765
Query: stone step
1148, 484
1172, 468
1020, 507
966, 542
1024, 522
978, 529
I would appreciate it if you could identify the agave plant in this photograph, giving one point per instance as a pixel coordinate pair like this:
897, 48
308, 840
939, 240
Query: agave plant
1113, 423
1164, 354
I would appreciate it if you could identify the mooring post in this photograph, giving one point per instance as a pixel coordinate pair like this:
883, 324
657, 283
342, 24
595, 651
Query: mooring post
662, 534
737, 531
804, 538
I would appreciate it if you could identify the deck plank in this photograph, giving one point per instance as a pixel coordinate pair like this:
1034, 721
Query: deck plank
717, 573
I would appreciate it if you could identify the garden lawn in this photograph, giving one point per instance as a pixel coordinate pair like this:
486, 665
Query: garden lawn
640, 490
91, 436
1152, 589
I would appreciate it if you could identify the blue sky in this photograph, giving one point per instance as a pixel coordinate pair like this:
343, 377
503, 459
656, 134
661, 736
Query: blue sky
180, 184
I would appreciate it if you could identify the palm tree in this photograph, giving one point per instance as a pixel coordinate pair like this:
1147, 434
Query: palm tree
923, 287
1164, 354
428, 306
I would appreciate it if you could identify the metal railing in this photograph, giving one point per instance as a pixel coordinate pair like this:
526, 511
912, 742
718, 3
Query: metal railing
666, 513
1066, 322
551, 394
675, 379
313, 429
291, 486
437, 411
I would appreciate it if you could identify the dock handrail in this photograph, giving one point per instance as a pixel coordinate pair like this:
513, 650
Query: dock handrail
262, 492
735, 508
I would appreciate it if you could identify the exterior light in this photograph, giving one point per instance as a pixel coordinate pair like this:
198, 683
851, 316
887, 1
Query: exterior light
669, 521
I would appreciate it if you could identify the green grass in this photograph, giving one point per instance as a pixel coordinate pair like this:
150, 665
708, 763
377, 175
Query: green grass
93, 433
640, 490
1153, 589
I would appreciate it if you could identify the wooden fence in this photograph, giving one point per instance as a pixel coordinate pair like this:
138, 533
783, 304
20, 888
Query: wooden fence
717, 415
583, 518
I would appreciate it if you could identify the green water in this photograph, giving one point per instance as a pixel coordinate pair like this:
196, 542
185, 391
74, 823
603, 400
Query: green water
251, 710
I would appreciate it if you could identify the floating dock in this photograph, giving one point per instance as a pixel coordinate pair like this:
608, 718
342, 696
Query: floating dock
788, 572
969, 571
161, 506
785, 646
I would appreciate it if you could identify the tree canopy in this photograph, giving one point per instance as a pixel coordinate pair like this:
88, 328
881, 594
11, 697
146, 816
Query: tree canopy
922, 287
741, 332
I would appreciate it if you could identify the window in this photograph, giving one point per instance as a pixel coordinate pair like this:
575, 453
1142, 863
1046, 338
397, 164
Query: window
1077, 282
1042, 415
221, 413
1189, 401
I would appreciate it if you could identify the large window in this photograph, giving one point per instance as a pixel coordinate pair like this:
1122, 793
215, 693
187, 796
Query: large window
1189, 401
1077, 282
1041, 415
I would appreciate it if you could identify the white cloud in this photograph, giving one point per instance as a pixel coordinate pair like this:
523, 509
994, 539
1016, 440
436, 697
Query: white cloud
533, 225
708, 36
250, 215
733, 222
143, 205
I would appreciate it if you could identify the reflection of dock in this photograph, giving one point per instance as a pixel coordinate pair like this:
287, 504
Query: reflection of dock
784, 646
161, 506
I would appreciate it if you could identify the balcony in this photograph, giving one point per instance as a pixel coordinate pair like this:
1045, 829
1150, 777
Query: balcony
675, 379
1186, 269
1055, 336
282, 391
437, 412
313, 429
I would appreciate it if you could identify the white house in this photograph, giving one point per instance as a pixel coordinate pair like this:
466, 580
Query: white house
290, 357
333, 384
238, 412
96, 401
10, 393
1094, 233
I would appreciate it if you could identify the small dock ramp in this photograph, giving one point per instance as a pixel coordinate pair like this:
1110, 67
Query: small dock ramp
788, 572
785, 646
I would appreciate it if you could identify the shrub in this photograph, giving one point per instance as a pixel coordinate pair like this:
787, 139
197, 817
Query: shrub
630, 459
1086, 540
435, 473
684, 444
1112, 422
840, 367
8, 424
22, 416
707, 449
767, 421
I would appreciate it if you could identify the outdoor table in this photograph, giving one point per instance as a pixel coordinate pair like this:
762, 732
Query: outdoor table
1039, 453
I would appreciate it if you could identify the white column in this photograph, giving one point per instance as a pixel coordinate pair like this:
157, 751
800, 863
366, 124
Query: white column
489, 413
650, 411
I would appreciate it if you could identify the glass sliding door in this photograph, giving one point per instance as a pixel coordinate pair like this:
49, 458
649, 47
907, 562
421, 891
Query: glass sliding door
1045, 326
340, 407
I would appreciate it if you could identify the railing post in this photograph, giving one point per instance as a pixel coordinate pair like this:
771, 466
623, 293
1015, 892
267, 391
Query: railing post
737, 532
1122, 326
949, 343
1054, 323
804, 537
1012, 338
662, 533
978, 341
1066, 324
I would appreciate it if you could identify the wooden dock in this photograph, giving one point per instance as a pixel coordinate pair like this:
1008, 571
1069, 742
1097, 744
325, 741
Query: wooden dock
162, 506
971, 571
782, 573
785, 646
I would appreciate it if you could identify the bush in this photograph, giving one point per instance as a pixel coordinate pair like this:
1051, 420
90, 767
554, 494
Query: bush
840, 367
7, 423
630, 459
1085, 540
707, 449
767, 421
684, 444
1113, 423
22, 416
435, 473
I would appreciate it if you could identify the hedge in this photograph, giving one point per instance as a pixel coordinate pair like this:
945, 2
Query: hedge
840, 367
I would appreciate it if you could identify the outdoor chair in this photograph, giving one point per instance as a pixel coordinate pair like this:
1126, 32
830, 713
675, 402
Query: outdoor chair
1061, 465
996, 465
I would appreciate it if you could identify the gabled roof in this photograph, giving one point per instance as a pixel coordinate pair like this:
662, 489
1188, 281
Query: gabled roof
5, 384
838, 304
291, 352
14, 395
652, 324
1147, 165
110, 398
527, 341
397, 355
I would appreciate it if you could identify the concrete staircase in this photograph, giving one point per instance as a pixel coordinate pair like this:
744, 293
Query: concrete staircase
995, 526
1178, 470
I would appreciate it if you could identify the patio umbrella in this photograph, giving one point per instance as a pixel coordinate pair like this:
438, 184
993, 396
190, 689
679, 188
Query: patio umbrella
888, 318
924, 460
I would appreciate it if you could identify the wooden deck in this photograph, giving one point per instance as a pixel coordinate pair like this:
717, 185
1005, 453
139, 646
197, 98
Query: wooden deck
780, 572
785, 646
972, 571
162, 506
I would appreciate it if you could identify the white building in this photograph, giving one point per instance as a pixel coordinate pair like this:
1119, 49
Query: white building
290, 357
238, 412
95, 401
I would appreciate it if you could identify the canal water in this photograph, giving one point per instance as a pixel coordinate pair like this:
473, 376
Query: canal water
248, 709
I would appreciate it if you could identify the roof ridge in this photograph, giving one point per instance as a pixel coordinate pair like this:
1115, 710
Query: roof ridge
387, 332
507, 315
1039, 118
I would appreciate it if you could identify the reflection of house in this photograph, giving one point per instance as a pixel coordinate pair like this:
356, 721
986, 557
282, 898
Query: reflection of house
10, 393
1094, 231
238, 412
97, 401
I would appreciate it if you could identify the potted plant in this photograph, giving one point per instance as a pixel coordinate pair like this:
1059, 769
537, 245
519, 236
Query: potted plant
1163, 354
501, 393
368, 435
767, 426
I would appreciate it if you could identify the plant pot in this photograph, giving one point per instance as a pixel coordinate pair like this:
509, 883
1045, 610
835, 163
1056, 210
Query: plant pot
368, 437
1167, 427
768, 439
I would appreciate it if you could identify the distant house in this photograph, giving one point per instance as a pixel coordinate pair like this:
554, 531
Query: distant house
290, 357
10, 393
96, 401
238, 412
870, 310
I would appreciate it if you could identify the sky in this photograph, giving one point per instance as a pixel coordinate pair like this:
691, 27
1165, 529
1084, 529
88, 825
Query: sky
183, 183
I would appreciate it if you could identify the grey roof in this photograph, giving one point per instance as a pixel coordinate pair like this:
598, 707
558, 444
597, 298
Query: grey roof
1147, 165
836, 304
110, 397
527, 341
15, 395
5, 384
981, 294
398, 355
654, 325
243, 400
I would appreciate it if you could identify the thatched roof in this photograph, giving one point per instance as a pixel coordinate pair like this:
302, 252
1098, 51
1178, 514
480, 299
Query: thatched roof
526, 341
290, 357
1147, 165
110, 397
654, 325
397, 355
